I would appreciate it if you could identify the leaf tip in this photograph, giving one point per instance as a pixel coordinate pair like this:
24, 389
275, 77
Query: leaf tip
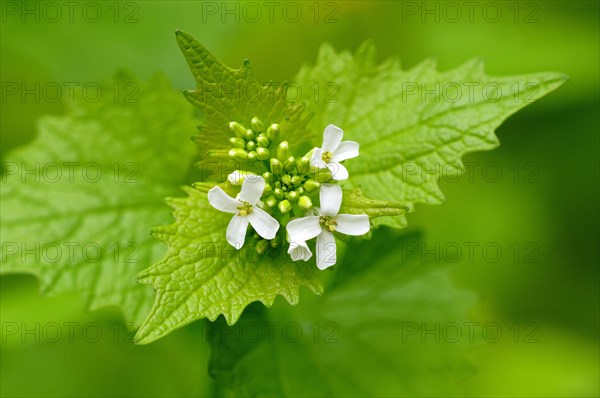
367, 52
475, 65
143, 277
561, 78
142, 337
179, 34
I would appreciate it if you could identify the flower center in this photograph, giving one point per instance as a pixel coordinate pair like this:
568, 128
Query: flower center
327, 156
328, 222
244, 209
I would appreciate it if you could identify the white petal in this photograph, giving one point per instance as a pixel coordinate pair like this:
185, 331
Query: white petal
236, 231
353, 224
237, 177
317, 159
303, 229
326, 250
221, 201
315, 211
346, 150
332, 136
263, 223
252, 189
299, 251
331, 199
338, 171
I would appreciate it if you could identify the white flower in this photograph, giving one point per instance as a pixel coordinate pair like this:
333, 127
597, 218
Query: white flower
333, 152
245, 211
299, 251
322, 226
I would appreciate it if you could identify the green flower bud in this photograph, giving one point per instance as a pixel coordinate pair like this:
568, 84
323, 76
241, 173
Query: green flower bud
311, 185
292, 196
238, 129
284, 219
296, 181
251, 146
278, 193
305, 202
273, 132
217, 152
262, 141
309, 154
257, 125
276, 166
238, 154
252, 155
286, 180
303, 165
268, 176
283, 151
276, 241
289, 166
285, 206
268, 189
262, 153
203, 186
237, 142
249, 136
262, 246
278, 184
271, 201
300, 190
322, 175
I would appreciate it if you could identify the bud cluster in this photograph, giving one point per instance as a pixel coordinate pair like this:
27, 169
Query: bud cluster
291, 183
252, 144
282, 191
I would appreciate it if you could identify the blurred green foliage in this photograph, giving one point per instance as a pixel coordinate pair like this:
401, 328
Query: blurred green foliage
375, 311
556, 209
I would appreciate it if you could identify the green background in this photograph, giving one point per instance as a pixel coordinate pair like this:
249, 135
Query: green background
553, 142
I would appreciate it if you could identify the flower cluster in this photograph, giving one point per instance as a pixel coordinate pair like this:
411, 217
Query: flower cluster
286, 190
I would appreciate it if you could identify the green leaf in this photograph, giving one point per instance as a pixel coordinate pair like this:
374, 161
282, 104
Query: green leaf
227, 95
79, 201
202, 276
354, 202
364, 337
413, 125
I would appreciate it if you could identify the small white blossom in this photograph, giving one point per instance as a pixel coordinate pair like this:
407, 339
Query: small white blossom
245, 211
333, 152
322, 226
299, 251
